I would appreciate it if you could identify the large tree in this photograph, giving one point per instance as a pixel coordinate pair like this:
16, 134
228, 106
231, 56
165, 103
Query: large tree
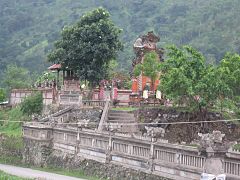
187, 79
88, 46
230, 67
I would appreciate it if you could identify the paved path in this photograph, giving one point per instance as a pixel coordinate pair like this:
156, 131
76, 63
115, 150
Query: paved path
33, 174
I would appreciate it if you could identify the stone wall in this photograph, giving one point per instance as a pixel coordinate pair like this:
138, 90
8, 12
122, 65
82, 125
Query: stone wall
94, 168
140, 154
130, 156
17, 95
178, 133
36, 152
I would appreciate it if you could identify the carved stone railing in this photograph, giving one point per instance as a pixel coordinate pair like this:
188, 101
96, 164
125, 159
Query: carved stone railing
232, 163
70, 99
104, 116
135, 152
87, 103
158, 157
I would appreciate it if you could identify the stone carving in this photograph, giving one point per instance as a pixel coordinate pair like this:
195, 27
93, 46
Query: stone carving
211, 140
155, 132
213, 144
146, 43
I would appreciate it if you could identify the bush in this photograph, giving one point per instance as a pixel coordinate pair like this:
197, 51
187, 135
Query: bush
32, 104
2, 95
12, 125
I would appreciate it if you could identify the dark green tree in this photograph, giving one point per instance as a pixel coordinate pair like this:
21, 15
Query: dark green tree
88, 46
32, 104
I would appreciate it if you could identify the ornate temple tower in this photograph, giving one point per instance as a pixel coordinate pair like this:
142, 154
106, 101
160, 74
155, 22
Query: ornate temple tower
143, 45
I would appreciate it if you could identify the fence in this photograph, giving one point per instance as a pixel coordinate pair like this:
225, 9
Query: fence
165, 159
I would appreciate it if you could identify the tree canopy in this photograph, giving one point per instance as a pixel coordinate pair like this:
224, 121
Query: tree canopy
230, 67
16, 77
187, 79
26, 40
88, 46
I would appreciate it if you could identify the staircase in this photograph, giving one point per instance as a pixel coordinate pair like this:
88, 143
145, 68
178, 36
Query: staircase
122, 122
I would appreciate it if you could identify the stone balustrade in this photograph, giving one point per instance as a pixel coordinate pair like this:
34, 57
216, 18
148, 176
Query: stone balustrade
146, 154
93, 103
232, 168
149, 155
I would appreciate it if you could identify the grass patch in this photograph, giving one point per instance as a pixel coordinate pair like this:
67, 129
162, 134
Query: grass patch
11, 160
68, 172
236, 147
9, 126
192, 145
5, 176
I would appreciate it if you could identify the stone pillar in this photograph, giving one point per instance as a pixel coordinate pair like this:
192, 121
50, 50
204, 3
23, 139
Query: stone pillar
78, 140
213, 147
109, 149
151, 154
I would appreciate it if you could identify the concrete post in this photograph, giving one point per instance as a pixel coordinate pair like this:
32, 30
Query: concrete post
109, 149
151, 154
214, 162
78, 140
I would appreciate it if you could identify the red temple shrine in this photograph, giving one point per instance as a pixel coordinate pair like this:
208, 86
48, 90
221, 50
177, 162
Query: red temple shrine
143, 45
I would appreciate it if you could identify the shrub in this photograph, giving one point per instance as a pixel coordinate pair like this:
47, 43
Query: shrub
2, 95
32, 104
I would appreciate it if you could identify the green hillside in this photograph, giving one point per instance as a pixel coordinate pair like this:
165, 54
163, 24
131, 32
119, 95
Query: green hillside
29, 28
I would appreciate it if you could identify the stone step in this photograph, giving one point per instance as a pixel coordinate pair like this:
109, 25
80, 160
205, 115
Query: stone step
111, 117
121, 114
121, 121
120, 111
124, 128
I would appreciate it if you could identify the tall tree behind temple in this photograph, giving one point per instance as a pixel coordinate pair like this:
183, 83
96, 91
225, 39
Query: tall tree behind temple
88, 46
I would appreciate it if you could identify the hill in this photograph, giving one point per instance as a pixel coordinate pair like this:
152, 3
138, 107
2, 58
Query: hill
29, 28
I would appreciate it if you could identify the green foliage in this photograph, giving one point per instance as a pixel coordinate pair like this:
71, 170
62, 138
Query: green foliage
27, 40
88, 46
12, 144
6, 176
46, 75
16, 77
230, 68
150, 67
69, 172
9, 126
236, 147
112, 69
32, 104
2, 95
187, 79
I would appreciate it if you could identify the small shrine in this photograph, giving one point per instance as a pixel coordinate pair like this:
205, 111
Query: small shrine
144, 44
70, 80
68, 89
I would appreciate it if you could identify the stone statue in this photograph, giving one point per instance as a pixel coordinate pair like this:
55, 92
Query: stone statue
155, 132
213, 140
